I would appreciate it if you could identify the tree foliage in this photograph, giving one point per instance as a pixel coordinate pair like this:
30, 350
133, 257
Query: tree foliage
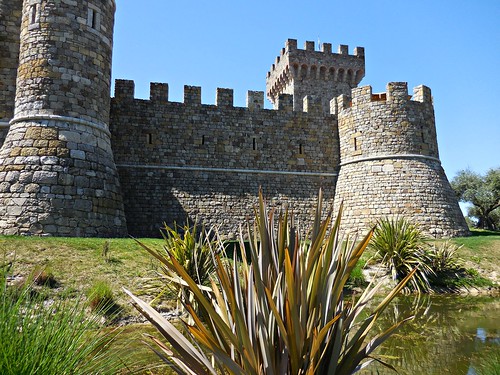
483, 192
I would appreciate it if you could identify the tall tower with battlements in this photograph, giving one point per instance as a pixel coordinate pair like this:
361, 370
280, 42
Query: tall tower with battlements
10, 24
57, 173
389, 162
321, 74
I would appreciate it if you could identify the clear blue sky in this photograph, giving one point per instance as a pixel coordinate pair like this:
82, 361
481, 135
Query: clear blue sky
452, 46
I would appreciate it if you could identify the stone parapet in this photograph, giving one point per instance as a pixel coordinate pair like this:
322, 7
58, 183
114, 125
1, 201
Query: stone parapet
386, 124
147, 132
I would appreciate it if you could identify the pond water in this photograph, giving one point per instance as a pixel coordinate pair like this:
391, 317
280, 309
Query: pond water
449, 335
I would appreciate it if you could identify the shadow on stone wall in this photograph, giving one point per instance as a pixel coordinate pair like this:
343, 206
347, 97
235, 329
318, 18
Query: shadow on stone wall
216, 199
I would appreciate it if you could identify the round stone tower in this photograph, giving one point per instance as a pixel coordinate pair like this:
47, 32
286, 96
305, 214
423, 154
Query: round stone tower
390, 163
10, 23
57, 173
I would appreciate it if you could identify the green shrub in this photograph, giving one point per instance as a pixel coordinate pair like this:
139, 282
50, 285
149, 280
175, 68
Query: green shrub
489, 364
449, 272
399, 245
192, 248
43, 337
443, 257
280, 312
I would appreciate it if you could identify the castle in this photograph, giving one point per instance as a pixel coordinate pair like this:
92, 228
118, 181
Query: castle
76, 162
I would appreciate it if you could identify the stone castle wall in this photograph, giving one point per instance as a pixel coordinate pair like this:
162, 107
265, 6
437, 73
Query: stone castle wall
70, 166
390, 164
3, 133
10, 29
208, 161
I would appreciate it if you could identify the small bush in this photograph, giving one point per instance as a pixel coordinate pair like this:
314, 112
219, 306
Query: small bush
192, 248
443, 257
399, 245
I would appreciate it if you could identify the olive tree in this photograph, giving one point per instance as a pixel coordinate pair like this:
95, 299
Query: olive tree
483, 192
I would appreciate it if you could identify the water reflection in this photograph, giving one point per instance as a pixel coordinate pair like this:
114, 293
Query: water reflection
449, 335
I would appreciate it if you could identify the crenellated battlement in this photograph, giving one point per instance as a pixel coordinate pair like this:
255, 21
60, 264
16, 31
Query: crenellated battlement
386, 123
224, 98
323, 73
397, 92
325, 49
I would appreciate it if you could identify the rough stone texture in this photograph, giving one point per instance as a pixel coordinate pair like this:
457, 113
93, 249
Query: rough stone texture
321, 74
182, 161
3, 133
224, 200
64, 62
193, 160
10, 23
57, 173
390, 163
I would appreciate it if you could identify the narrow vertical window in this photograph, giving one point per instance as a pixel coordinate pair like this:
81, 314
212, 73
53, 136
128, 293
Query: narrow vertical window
202, 139
33, 10
254, 144
355, 144
300, 149
423, 136
93, 20
149, 138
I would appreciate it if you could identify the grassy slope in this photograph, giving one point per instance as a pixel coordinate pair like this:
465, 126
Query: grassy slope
481, 251
76, 262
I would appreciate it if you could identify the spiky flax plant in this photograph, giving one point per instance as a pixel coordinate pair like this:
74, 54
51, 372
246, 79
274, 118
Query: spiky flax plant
282, 311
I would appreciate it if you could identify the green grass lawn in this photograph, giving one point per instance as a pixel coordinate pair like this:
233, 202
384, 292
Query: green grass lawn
481, 251
78, 263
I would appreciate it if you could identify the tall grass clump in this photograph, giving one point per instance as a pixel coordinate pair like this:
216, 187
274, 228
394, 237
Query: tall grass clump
101, 299
399, 245
282, 311
46, 337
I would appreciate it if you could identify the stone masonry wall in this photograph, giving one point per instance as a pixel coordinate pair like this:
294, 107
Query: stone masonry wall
390, 164
57, 173
10, 24
208, 161
65, 59
321, 74
57, 178
3, 133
